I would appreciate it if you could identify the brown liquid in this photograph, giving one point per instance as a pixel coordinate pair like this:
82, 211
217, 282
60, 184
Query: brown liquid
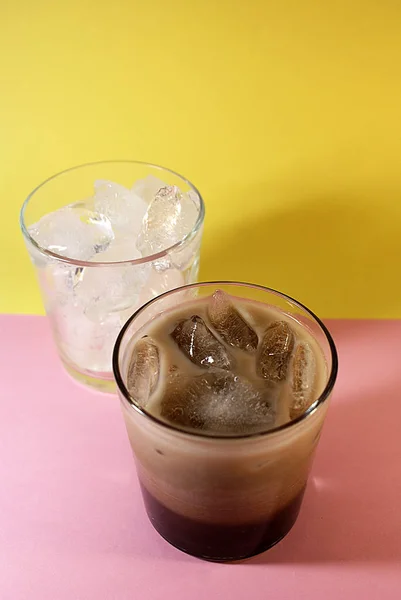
228, 498
221, 542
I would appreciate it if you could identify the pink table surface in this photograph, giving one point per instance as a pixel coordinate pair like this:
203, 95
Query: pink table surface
72, 525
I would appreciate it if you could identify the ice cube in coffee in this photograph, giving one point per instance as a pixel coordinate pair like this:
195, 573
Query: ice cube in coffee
228, 369
222, 421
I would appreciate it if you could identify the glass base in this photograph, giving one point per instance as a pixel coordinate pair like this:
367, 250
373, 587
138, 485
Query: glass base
105, 384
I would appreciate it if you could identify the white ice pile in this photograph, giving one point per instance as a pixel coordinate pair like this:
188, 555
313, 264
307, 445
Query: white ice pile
89, 304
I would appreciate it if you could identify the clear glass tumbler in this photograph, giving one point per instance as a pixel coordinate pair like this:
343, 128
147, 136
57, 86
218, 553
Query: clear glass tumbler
223, 498
88, 301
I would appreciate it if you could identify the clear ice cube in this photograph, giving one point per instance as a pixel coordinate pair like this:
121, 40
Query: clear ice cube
275, 351
143, 370
303, 375
220, 403
198, 343
111, 288
74, 231
230, 324
58, 281
148, 187
85, 343
121, 249
185, 255
123, 207
171, 216
157, 283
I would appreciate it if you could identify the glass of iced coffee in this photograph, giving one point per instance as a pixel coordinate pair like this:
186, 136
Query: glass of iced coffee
224, 388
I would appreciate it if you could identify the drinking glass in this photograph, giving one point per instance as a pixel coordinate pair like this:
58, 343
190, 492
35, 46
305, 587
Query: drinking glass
223, 498
87, 301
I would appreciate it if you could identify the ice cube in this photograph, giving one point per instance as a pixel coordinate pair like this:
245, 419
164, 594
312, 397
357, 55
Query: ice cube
84, 343
186, 254
303, 375
275, 351
230, 324
220, 403
158, 283
121, 249
199, 344
73, 231
171, 216
143, 371
106, 289
58, 281
123, 207
148, 187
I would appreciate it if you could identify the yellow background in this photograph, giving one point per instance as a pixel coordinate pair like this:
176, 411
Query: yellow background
286, 115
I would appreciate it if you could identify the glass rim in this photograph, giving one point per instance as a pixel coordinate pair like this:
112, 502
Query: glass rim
210, 436
136, 261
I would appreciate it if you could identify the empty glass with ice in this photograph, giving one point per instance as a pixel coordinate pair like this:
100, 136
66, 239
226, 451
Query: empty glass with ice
224, 388
105, 238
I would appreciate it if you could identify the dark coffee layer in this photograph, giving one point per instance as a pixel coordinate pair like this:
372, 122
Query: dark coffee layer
221, 542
